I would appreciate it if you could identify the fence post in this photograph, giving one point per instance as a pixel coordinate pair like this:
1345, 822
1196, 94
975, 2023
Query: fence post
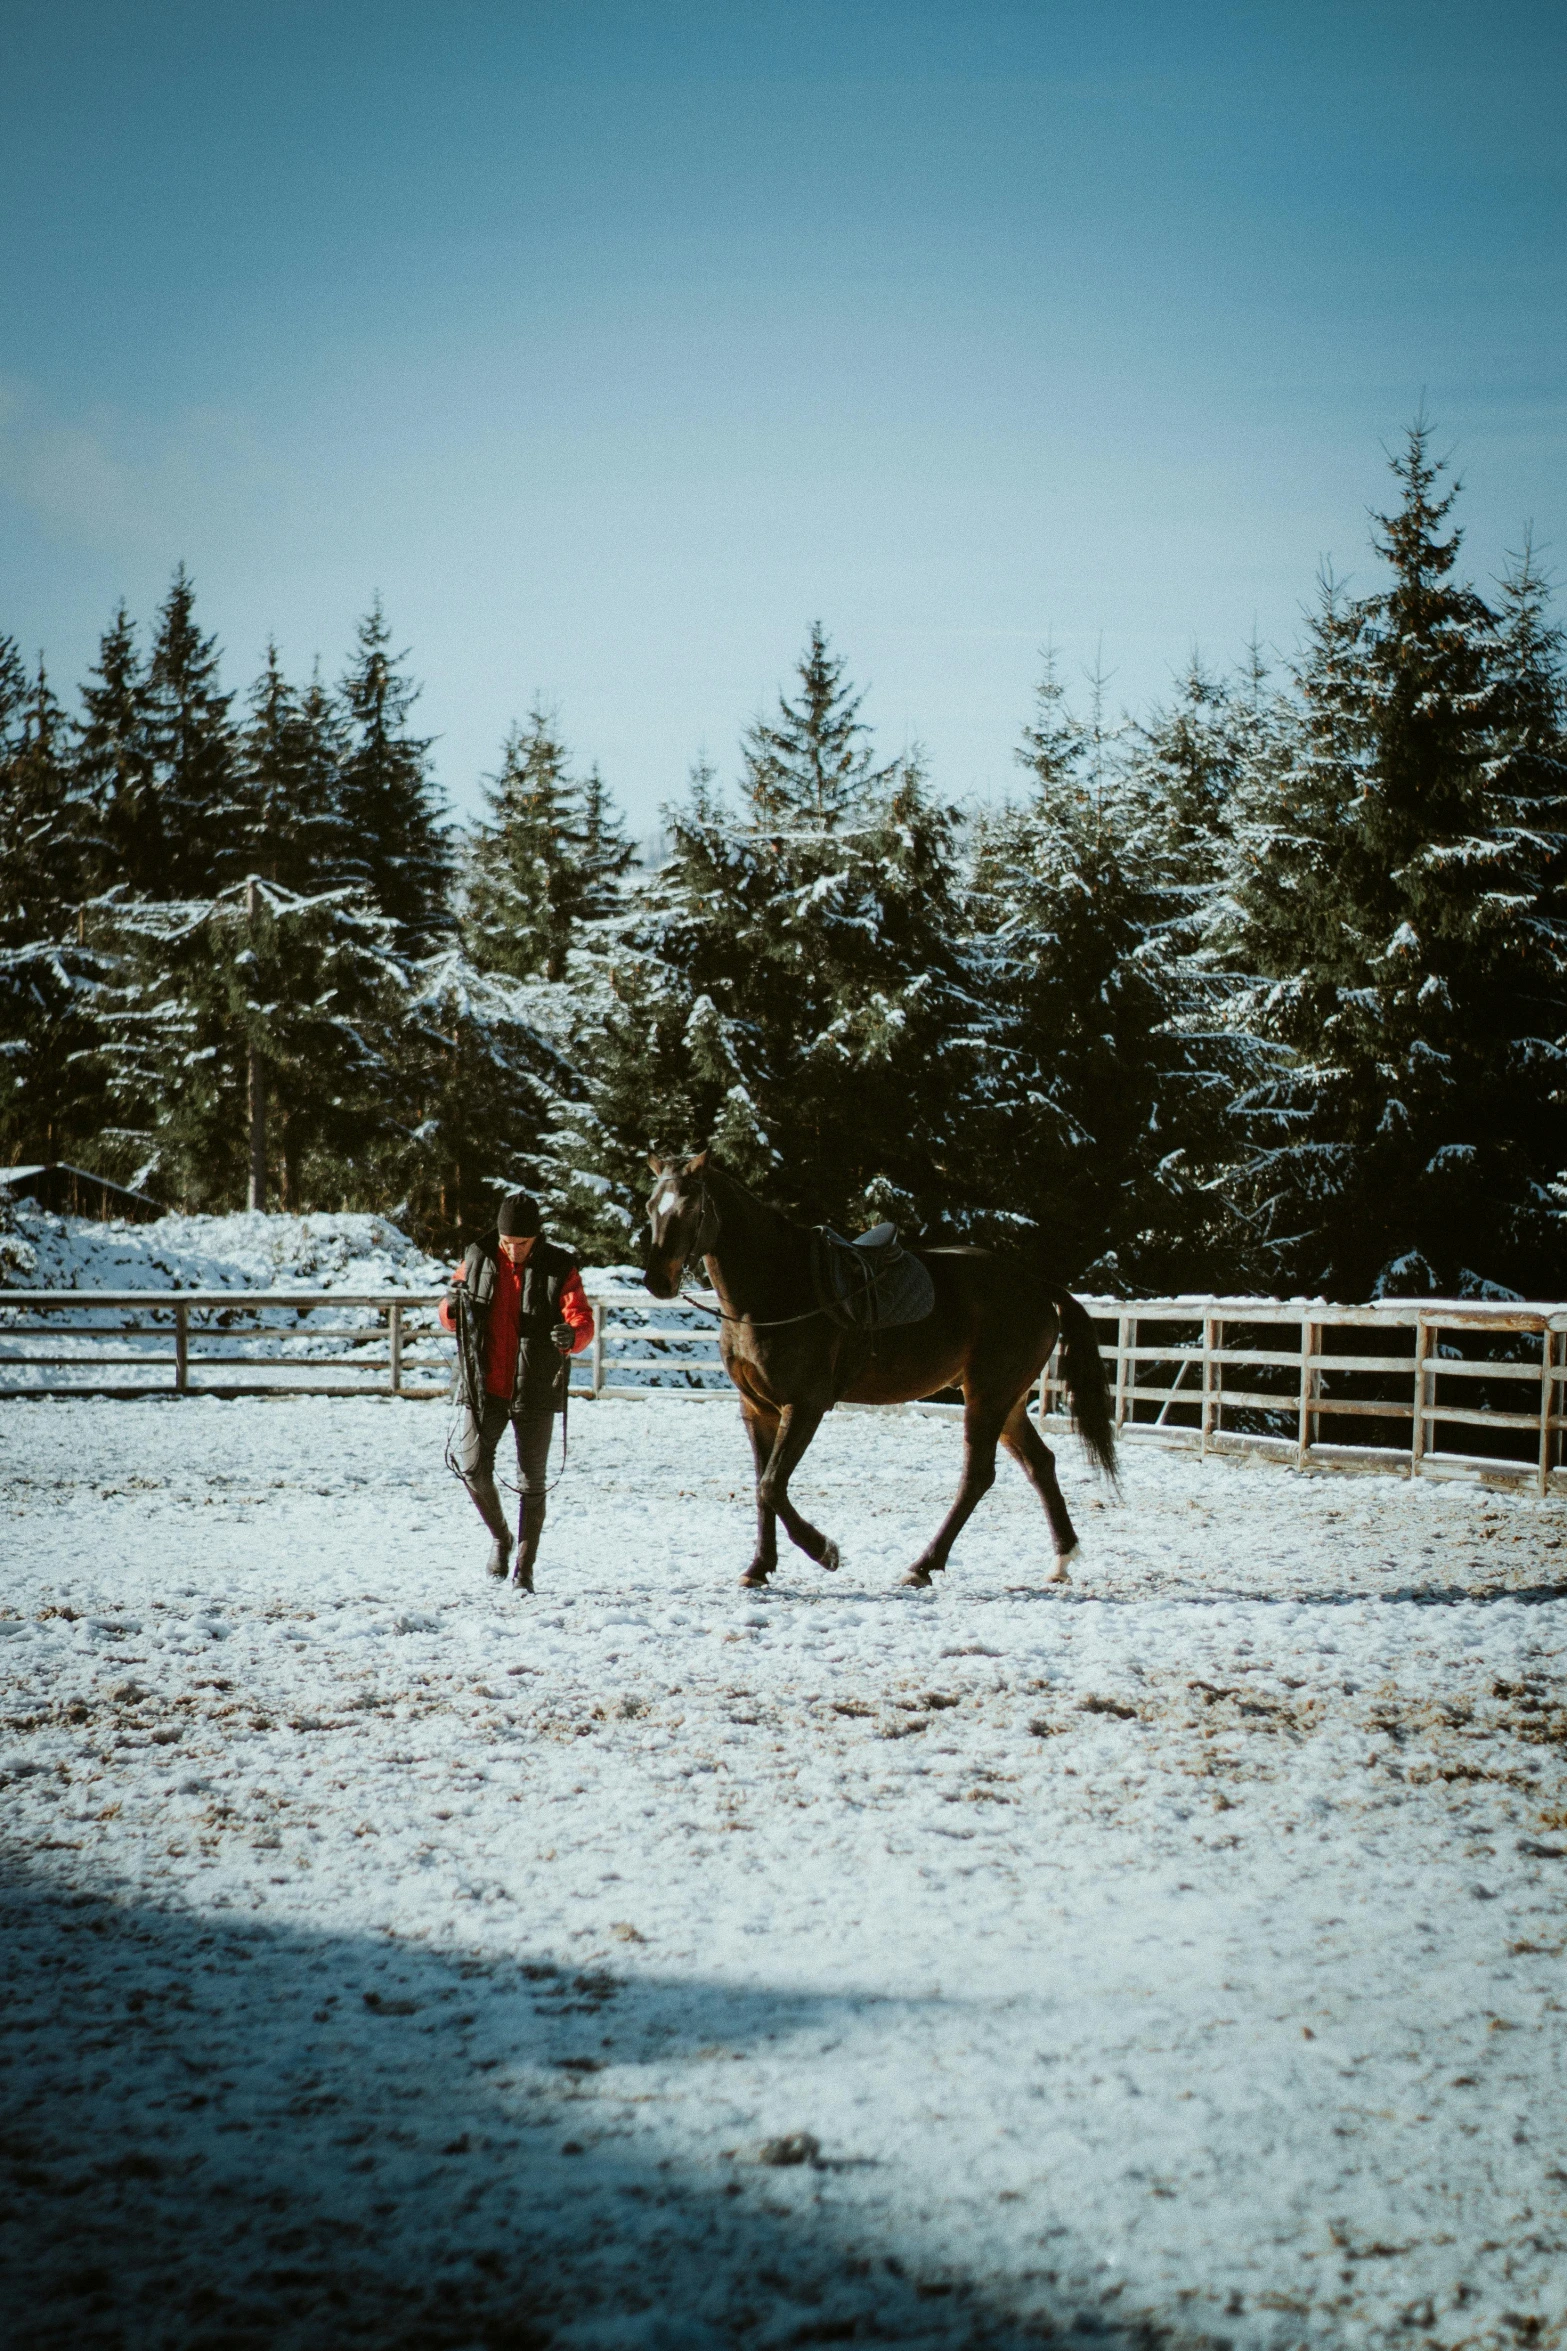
1044, 1385
1309, 1345
1548, 1352
598, 1346
1417, 1435
394, 1326
1211, 1329
1125, 1340
181, 1347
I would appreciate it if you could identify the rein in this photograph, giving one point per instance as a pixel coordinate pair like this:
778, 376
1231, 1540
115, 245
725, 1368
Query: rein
781, 1322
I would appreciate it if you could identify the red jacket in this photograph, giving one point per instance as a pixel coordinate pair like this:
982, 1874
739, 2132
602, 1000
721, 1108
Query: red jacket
500, 1368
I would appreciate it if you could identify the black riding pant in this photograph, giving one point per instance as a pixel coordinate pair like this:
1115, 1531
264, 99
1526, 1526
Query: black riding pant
477, 1440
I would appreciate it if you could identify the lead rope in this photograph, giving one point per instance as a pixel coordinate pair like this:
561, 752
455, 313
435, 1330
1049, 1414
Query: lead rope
455, 1466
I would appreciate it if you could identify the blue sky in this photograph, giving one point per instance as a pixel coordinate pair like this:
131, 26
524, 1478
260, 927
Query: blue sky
613, 344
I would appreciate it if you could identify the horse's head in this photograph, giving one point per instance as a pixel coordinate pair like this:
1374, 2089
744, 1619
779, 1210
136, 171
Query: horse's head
682, 1222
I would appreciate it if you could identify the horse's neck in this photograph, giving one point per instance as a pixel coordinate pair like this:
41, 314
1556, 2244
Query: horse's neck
760, 1259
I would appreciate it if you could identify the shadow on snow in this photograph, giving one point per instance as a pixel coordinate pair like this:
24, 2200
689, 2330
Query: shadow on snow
222, 2132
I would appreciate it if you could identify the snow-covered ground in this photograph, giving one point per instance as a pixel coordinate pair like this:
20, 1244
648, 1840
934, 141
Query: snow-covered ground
1177, 1957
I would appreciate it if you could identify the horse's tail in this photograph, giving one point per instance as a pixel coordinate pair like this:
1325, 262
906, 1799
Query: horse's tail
1084, 1372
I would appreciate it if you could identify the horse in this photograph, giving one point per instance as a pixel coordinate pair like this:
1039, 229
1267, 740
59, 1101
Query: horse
993, 1326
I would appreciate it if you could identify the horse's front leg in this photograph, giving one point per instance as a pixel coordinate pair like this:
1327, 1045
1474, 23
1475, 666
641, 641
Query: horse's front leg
797, 1425
762, 1429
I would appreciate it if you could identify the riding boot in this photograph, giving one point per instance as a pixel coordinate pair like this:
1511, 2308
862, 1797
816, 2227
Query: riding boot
487, 1502
532, 1529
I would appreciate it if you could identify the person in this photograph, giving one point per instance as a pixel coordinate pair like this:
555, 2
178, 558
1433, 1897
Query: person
519, 1312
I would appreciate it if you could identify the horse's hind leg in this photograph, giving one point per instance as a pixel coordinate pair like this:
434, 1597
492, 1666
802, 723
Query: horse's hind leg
981, 1429
797, 1425
1028, 1448
763, 1433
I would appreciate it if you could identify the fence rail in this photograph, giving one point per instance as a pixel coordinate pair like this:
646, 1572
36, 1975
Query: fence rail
314, 1343
1434, 1388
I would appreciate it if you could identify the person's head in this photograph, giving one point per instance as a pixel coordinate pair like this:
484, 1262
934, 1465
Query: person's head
517, 1222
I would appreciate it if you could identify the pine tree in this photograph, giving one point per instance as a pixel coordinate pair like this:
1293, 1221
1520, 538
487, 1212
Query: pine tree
50, 1084
547, 863
1395, 915
396, 849
521, 911
477, 1093
51, 1071
123, 816
1191, 754
292, 753
812, 765
603, 854
1090, 1113
306, 988
787, 988
13, 698
191, 751
40, 843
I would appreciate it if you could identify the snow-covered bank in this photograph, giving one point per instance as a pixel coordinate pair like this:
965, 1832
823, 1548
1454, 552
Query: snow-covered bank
42, 1251
1179, 1954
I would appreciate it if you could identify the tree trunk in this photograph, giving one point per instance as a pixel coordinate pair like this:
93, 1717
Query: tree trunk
256, 1091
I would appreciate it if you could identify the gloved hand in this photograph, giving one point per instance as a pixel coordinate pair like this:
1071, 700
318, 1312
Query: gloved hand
564, 1337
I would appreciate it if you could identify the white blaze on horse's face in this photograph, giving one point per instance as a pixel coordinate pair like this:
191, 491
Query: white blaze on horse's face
669, 1242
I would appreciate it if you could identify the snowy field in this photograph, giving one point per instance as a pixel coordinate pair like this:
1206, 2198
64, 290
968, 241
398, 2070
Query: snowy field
1173, 1958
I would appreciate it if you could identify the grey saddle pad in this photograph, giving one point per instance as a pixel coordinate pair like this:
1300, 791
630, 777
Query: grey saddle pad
871, 1284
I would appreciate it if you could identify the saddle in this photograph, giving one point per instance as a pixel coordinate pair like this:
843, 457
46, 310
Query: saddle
869, 1284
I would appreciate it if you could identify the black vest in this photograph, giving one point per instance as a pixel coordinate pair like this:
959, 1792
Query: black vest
542, 1373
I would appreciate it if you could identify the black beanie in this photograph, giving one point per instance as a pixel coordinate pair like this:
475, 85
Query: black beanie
518, 1218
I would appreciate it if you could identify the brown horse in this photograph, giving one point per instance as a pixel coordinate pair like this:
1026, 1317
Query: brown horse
995, 1322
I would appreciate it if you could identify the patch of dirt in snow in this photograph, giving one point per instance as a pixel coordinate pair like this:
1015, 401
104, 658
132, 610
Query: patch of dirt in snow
1175, 1957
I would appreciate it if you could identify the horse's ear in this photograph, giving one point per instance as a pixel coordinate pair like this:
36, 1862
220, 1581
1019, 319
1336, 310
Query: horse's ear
698, 1165
655, 1163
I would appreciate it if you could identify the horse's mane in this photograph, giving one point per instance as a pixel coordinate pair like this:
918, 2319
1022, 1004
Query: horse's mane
716, 1167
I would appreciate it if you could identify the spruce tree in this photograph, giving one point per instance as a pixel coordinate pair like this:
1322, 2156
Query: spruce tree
291, 758
548, 861
395, 844
50, 1081
1191, 754
191, 750
123, 816
603, 854
521, 911
476, 1093
1091, 1120
40, 838
13, 698
1403, 932
812, 765
304, 987
786, 990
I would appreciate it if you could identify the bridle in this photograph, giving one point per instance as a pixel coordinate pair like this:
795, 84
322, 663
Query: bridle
703, 1241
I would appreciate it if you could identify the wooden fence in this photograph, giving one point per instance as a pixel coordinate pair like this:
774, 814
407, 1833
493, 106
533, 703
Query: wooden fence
1434, 1388
135, 1343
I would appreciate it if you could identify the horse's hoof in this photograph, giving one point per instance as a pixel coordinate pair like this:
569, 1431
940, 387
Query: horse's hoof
829, 1559
917, 1580
1060, 1572
754, 1579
